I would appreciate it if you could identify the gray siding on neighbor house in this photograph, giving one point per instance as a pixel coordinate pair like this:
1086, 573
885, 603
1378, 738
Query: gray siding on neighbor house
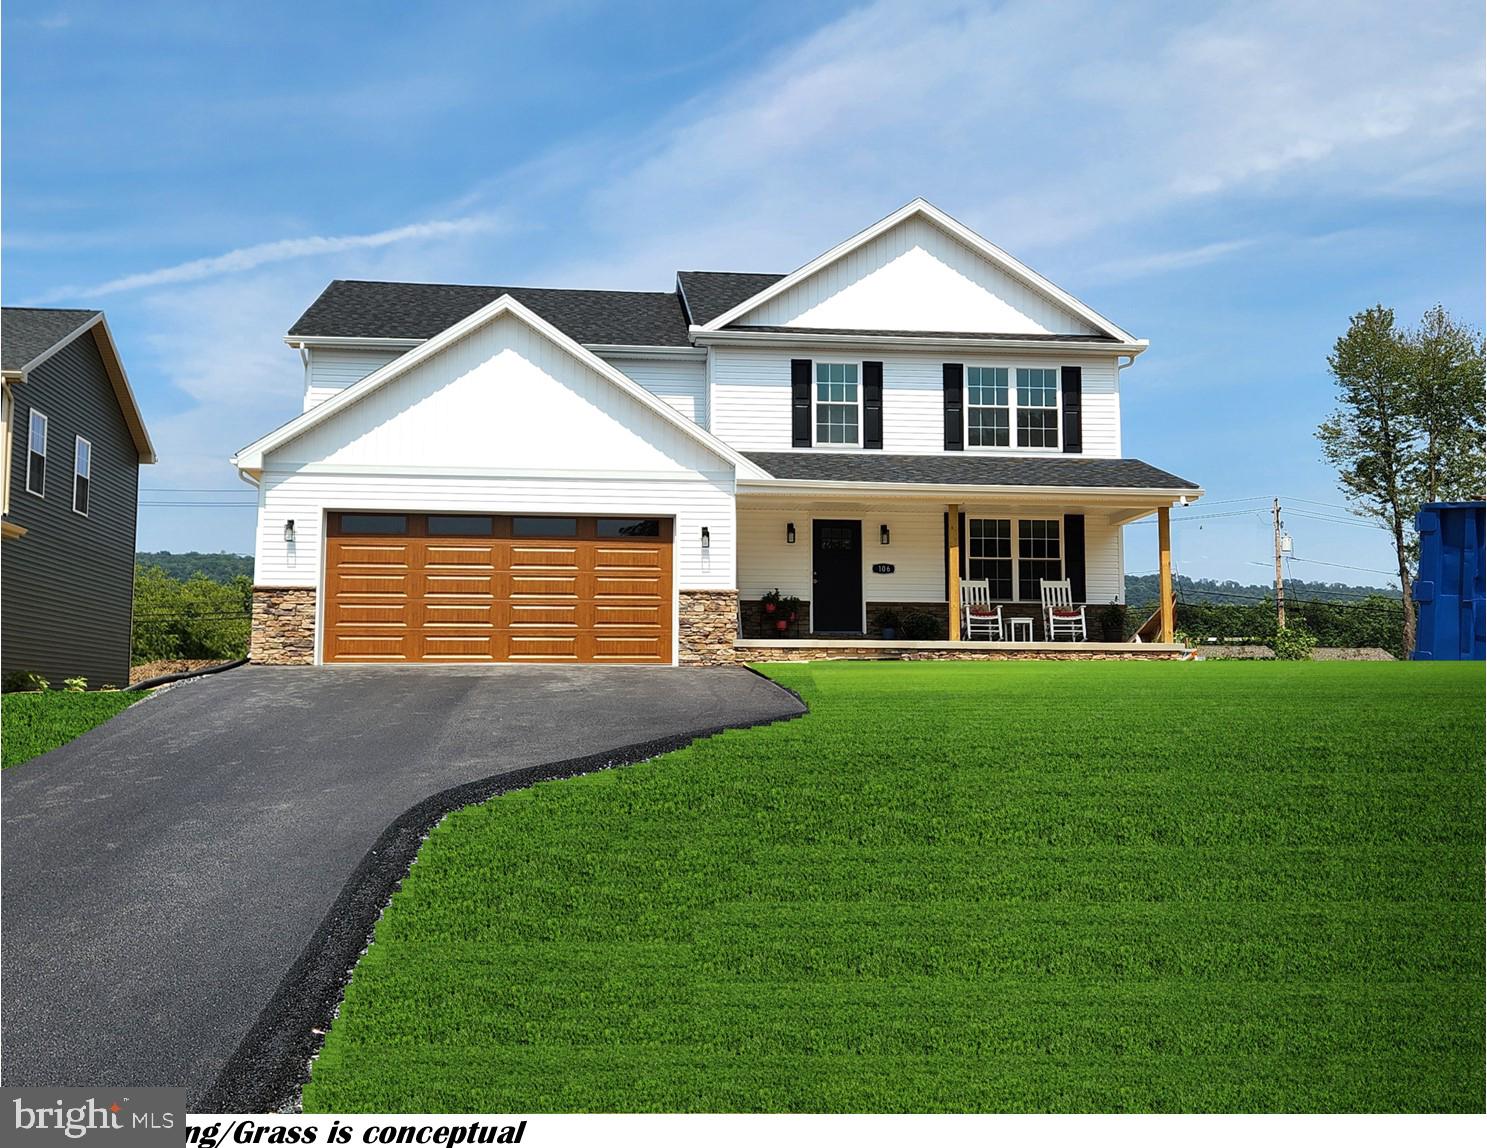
67, 586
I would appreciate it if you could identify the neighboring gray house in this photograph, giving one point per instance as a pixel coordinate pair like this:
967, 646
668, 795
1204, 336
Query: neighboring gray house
73, 442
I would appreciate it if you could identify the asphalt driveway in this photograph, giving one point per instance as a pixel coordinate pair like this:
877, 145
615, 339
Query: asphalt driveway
165, 874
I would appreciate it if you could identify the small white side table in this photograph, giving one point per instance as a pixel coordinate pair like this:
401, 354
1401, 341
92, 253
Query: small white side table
1019, 629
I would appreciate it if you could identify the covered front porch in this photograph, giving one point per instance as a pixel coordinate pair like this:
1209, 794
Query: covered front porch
878, 574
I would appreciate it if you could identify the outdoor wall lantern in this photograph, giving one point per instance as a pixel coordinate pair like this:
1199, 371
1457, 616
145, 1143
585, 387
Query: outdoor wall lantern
707, 539
790, 533
289, 530
883, 535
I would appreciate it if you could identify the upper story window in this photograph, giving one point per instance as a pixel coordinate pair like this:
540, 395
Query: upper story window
1037, 407
36, 454
838, 404
82, 474
988, 414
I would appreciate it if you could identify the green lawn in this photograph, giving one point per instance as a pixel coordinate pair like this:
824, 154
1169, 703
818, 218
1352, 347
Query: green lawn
1096, 886
33, 723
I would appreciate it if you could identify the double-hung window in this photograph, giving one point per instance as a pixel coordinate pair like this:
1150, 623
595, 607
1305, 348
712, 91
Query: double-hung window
838, 404
1037, 407
1039, 556
1018, 553
82, 474
988, 414
36, 454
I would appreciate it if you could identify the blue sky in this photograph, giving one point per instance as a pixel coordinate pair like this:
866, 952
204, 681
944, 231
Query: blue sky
1230, 181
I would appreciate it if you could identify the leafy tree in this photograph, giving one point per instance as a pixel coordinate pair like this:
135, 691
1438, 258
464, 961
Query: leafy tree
1448, 403
196, 618
1374, 437
217, 567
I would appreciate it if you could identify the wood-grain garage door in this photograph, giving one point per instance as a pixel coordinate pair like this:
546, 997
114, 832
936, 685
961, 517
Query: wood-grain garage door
497, 588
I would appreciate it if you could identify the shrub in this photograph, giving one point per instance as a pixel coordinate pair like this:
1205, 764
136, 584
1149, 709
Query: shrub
921, 627
1293, 643
25, 681
75, 685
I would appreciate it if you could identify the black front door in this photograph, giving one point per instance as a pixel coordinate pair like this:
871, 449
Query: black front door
836, 593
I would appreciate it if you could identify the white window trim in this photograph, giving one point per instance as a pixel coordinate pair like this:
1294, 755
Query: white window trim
1012, 367
1016, 519
76, 474
861, 407
32, 414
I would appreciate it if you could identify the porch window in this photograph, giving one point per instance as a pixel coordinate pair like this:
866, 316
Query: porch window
1037, 407
838, 404
988, 414
990, 558
1039, 556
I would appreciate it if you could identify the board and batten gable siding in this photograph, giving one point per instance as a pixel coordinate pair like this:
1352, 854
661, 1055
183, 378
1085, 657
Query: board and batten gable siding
329, 370
502, 421
916, 277
751, 395
916, 550
69, 582
681, 383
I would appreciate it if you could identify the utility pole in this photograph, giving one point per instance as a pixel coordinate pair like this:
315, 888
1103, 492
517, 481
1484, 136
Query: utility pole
1280, 582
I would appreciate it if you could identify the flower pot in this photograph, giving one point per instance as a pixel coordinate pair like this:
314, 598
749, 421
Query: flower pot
889, 633
782, 625
769, 607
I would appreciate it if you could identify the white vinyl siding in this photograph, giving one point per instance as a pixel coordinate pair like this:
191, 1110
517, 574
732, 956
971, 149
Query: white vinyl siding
502, 421
751, 397
915, 277
681, 383
333, 369
916, 549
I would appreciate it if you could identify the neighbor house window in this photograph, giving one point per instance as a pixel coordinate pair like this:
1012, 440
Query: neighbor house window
1013, 553
1037, 407
82, 474
990, 546
988, 415
1039, 556
838, 403
36, 454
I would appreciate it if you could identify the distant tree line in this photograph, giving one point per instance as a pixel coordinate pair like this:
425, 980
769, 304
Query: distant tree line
196, 617
216, 567
1141, 590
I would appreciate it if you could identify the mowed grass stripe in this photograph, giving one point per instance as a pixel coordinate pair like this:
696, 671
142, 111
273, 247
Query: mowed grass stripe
961, 887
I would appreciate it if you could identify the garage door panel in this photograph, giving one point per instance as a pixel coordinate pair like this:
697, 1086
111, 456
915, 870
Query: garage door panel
429, 596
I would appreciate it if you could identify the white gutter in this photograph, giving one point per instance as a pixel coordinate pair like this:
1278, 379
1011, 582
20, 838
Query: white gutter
734, 336
949, 490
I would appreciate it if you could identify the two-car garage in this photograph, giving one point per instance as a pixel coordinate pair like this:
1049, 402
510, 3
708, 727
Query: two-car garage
436, 587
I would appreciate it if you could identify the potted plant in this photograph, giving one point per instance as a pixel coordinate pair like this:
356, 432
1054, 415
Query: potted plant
789, 613
771, 601
888, 621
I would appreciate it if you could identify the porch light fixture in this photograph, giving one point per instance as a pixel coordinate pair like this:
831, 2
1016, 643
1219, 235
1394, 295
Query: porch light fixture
790, 533
707, 539
883, 535
289, 530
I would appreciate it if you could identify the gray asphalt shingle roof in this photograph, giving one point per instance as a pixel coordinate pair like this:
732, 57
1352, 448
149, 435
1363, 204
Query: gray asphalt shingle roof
358, 308
710, 293
960, 469
26, 332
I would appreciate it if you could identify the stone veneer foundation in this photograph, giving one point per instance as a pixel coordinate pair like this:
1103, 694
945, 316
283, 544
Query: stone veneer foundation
707, 623
283, 626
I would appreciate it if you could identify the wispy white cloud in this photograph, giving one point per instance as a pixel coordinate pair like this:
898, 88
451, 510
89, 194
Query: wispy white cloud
1161, 262
278, 251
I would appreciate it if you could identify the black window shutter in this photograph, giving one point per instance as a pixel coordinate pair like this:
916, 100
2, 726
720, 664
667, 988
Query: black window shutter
955, 377
872, 406
1073, 388
800, 402
1074, 554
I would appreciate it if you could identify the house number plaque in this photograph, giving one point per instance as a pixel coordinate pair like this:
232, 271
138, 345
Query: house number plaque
882, 567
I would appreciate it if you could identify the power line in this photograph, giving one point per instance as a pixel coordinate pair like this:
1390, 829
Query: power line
1345, 566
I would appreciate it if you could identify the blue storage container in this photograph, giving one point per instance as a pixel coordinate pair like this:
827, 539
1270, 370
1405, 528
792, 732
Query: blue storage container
1449, 589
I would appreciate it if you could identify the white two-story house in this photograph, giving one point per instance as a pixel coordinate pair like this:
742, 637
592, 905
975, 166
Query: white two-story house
492, 474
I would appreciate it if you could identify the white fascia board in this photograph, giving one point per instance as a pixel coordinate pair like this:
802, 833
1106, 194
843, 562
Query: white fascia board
734, 336
251, 456
348, 341
636, 351
1121, 495
990, 251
